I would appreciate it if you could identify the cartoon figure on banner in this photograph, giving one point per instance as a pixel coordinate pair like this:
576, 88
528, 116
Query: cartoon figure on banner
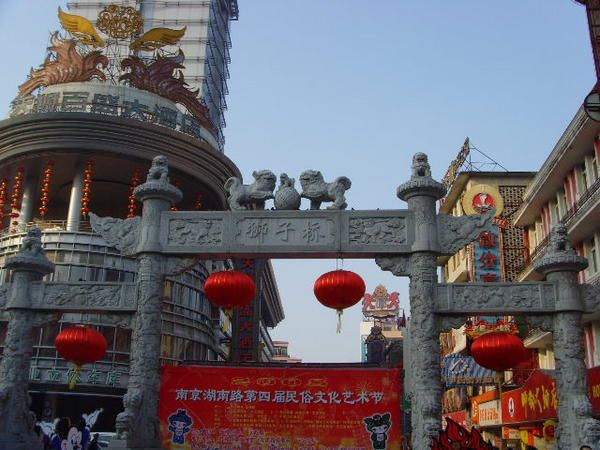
179, 424
379, 425
73, 441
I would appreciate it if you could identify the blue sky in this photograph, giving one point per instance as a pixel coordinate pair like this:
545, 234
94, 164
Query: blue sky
355, 88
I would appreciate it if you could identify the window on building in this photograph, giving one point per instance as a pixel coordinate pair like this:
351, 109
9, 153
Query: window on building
593, 259
584, 178
594, 168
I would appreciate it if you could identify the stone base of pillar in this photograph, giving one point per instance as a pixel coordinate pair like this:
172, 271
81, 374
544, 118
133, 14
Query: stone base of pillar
122, 445
12, 445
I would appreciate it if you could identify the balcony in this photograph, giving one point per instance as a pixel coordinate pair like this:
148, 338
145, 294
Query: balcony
526, 269
581, 221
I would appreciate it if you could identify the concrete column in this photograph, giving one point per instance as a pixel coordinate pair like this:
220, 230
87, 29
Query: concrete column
576, 426
421, 194
74, 214
28, 202
16, 421
138, 427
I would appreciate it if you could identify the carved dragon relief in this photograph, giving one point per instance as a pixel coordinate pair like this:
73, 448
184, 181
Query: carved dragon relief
176, 265
398, 265
456, 232
119, 233
384, 230
591, 298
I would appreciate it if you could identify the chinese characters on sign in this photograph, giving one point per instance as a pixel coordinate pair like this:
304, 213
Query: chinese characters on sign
110, 105
488, 266
258, 407
245, 340
65, 375
536, 400
268, 231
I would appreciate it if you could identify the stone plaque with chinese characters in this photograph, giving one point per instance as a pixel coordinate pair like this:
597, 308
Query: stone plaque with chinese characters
287, 234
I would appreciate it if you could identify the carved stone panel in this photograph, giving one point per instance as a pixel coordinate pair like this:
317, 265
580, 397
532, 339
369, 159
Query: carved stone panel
84, 297
196, 232
385, 231
496, 298
286, 234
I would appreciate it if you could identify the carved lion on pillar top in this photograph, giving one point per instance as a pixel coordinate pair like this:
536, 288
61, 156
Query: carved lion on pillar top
420, 165
251, 196
317, 190
159, 170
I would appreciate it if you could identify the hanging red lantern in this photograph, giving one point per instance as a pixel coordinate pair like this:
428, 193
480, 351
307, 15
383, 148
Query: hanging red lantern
199, 202
134, 181
177, 184
3, 200
230, 289
80, 345
17, 198
339, 289
498, 350
88, 173
45, 190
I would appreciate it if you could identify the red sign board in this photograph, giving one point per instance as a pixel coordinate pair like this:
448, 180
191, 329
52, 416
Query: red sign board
268, 407
537, 400
594, 384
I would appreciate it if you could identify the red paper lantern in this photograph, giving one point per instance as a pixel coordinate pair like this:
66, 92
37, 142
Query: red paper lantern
80, 345
339, 289
230, 289
498, 350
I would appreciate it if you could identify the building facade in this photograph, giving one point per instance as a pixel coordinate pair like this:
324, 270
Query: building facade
471, 397
80, 143
566, 190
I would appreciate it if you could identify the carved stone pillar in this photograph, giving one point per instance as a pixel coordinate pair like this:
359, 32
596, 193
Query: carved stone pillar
576, 426
16, 423
421, 194
138, 427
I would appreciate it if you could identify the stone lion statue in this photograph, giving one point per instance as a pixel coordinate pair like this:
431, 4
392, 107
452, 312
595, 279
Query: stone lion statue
559, 238
159, 170
420, 166
317, 190
251, 196
32, 243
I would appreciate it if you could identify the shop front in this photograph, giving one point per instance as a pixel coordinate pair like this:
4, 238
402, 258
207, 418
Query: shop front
531, 411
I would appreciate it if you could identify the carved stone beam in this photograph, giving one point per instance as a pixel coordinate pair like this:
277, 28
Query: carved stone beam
85, 297
287, 234
466, 299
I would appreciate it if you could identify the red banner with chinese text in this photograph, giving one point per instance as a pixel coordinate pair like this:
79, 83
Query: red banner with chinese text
594, 385
254, 408
537, 400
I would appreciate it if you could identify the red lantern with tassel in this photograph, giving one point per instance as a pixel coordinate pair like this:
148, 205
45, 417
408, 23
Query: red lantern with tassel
339, 289
230, 289
498, 350
80, 345
17, 198
88, 173
135, 180
45, 191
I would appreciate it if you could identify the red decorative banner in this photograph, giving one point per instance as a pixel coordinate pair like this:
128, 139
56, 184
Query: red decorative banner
537, 400
255, 408
594, 384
